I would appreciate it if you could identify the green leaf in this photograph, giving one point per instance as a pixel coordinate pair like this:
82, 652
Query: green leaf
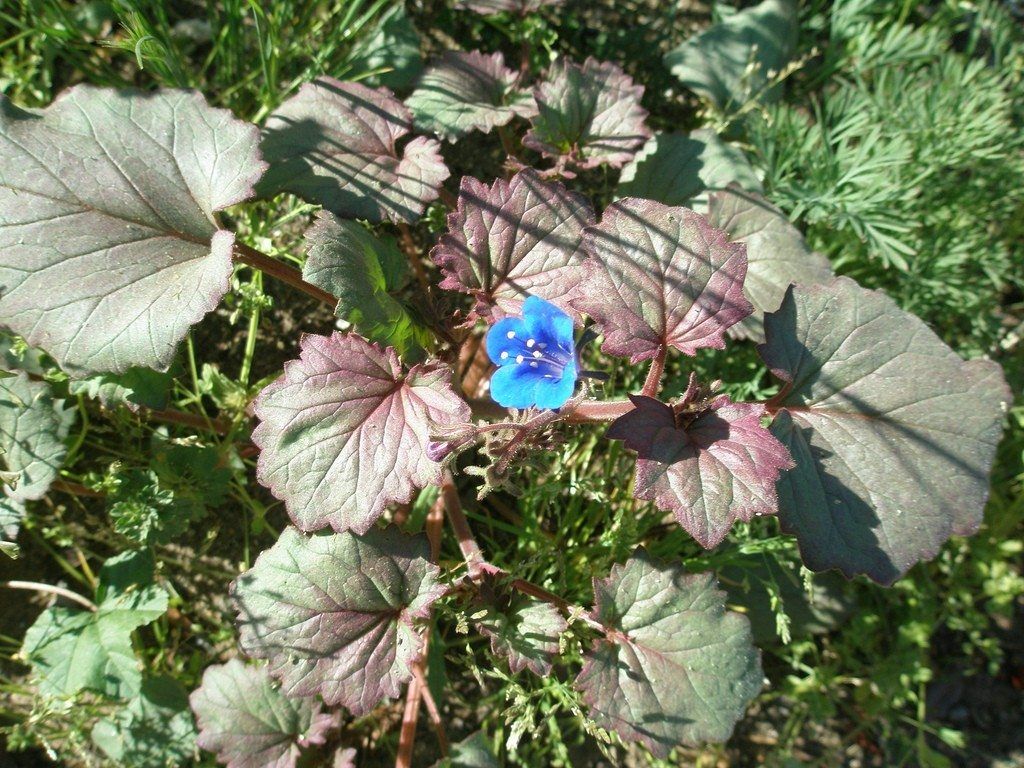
466, 92
777, 254
249, 723
364, 272
11, 514
674, 667
337, 615
679, 169
71, 649
526, 633
109, 250
154, 730
33, 427
146, 513
475, 751
394, 44
893, 434
135, 388
717, 62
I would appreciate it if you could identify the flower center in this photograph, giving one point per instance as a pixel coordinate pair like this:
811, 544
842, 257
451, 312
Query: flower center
546, 360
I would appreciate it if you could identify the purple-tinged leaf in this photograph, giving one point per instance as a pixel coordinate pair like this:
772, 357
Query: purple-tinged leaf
466, 92
661, 277
893, 434
526, 633
334, 143
108, 247
518, 7
33, 427
336, 614
515, 238
777, 254
588, 115
679, 169
245, 719
674, 666
708, 465
344, 432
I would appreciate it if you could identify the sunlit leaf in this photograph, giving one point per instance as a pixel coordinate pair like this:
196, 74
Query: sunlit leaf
680, 169
344, 432
709, 464
393, 45
334, 143
466, 92
661, 277
154, 730
71, 649
33, 427
513, 239
245, 719
777, 254
729, 62
525, 632
674, 667
893, 434
364, 271
108, 247
336, 615
588, 115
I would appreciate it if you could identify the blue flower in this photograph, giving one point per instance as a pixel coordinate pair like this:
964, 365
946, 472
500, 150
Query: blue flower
535, 356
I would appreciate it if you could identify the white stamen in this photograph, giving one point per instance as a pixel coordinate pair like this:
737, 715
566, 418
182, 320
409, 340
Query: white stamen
519, 359
548, 376
533, 364
504, 355
530, 343
510, 335
537, 354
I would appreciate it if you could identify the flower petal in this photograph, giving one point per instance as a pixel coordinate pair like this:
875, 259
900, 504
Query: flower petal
514, 386
552, 393
546, 322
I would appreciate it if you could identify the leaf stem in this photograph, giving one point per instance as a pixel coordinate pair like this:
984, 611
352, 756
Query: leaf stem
51, 589
283, 272
75, 489
220, 426
653, 381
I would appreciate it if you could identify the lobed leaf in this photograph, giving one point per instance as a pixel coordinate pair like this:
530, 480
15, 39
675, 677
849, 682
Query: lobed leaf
364, 271
526, 633
466, 92
336, 614
245, 719
729, 62
135, 388
72, 649
334, 144
893, 434
513, 239
661, 277
154, 730
674, 666
679, 169
777, 254
709, 467
109, 251
344, 431
33, 427
588, 115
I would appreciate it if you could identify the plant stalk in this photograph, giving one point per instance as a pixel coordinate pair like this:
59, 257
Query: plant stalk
281, 271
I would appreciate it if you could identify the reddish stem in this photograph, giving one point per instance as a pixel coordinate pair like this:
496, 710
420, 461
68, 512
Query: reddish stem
653, 381
282, 272
75, 489
220, 426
